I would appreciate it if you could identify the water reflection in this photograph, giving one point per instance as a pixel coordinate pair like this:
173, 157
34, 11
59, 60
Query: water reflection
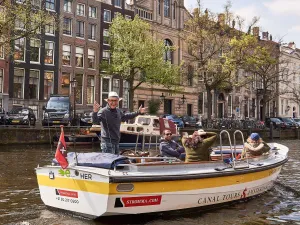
20, 201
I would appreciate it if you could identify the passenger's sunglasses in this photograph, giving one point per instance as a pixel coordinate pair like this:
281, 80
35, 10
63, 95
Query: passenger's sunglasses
168, 134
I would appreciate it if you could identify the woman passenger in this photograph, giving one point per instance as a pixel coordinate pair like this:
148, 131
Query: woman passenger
254, 146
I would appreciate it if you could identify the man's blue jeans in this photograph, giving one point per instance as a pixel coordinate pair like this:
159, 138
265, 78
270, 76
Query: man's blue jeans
112, 148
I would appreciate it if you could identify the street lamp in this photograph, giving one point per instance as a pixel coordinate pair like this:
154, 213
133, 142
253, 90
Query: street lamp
74, 85
162, 98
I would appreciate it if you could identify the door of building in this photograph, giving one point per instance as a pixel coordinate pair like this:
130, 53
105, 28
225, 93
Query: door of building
220, 110
189, 109
168, 106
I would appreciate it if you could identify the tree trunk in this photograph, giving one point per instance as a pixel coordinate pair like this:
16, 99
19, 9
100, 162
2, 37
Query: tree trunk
131, 90
263, 113
209, 103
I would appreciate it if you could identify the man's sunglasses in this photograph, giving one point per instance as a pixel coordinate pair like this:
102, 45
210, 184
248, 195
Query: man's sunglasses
168, 134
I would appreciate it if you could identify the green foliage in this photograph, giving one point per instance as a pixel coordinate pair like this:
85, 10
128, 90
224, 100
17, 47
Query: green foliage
137, 56
153, 106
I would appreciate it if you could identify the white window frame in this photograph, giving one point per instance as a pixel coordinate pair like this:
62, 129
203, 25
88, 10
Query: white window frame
90, 31
18, 68
39, 60
89, 50
52, 52
38, 85
104, 12
77, 31
70, 64
105, 31
91, 86
78, 10
109, 88
2, 80
52, 87
82, 89
90, 12
106, 51
17, 60
53, 10
49, 28
71, 30
68, 9
82, 56
2, 52
118, 5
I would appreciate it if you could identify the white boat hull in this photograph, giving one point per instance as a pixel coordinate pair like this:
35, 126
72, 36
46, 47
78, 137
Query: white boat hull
97, 192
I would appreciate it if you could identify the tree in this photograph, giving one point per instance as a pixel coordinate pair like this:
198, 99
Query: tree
137, 56
265, 64
24, 18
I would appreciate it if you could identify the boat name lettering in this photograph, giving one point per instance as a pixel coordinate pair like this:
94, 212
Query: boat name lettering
62, 199
219, 198
261, 189
140, 201
86, 176
72, 194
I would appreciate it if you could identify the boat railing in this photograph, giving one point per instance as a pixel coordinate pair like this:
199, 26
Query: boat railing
221, 145
234, 143
144, 139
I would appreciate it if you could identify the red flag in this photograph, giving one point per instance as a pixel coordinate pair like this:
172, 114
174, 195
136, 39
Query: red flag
61, 150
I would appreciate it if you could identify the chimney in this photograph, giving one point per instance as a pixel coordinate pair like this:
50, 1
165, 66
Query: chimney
292, 45
256, 31
221, 19
265, 35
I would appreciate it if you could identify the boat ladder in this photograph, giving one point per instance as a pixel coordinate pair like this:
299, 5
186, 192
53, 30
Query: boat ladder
143, 141
236, 164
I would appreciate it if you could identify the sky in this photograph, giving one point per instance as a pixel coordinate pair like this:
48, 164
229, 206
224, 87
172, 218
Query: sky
281, 18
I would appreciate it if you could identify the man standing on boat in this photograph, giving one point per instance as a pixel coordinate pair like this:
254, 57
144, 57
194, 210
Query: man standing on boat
110, 118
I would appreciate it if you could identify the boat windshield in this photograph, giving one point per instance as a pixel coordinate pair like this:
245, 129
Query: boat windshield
144, 121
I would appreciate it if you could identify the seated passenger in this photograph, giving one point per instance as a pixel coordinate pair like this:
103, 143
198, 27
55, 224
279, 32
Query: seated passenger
197, 145
170, 148
254, 146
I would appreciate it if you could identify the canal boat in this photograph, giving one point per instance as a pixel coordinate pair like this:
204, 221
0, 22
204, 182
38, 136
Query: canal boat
102, 184
146, 129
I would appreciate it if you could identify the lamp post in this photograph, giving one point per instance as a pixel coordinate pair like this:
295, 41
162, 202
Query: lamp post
162, 98
74, 85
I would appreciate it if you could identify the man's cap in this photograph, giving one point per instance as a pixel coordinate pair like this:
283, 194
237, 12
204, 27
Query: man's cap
113, 94
255, 136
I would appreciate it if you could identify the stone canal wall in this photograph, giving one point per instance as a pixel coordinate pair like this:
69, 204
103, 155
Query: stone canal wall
44, 135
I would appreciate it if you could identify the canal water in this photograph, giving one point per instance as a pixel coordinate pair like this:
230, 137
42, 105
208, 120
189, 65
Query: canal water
20, 202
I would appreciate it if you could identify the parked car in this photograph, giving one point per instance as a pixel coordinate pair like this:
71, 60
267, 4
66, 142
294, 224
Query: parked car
86, 119
288, 122
296, 120
189, 121
175, 119
21, 116
277, 123
3, 117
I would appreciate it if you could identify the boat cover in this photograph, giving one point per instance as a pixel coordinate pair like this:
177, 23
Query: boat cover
95, 159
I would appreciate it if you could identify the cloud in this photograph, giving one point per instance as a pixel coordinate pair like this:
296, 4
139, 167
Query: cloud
283, 6
247, 13
295, 29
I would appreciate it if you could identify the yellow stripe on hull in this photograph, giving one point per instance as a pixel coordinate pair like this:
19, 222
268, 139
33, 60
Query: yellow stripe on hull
153, 186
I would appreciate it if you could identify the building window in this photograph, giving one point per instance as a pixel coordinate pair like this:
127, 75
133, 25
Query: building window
19, 53
174, 11
159, 6
106, 56
92, 31
190, 75
78, 94
1, 80
49, 50
65, 83
36, 3
91, 58
68, 5
105, 37
80, 29
167, 8
18, 83
34, 84
107, 16
116, 85
90, 92
105, 89
19, 23
1, 51
92, 12
67, 27
125, 100
48, 84
50, 28
168, 52
50, 5
66, 58
35, 49
79, 57
118, 3
80, 9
